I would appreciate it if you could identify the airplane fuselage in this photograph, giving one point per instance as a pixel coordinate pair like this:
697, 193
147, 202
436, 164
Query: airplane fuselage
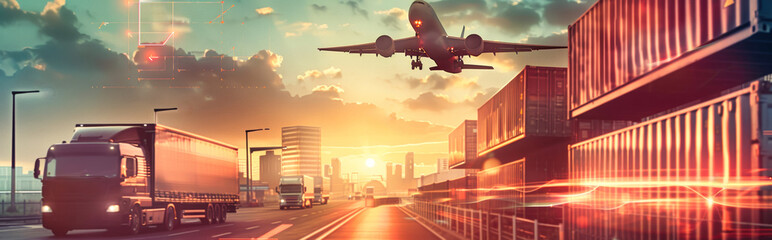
432, 36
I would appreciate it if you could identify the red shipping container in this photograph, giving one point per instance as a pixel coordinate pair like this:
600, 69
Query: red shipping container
529, 108
632, 58
697, 173
462, 144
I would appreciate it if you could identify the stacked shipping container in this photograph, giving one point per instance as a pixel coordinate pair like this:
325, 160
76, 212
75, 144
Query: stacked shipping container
527, 111
699, 173
462, 144
663, 53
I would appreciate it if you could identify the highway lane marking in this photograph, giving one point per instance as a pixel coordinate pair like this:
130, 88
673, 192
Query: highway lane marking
328, 225
220, 235
305, 215
419, 222
180, 233
252, 227
225, 225
275, 231
277, 222
21, 228
333, 229
293, 218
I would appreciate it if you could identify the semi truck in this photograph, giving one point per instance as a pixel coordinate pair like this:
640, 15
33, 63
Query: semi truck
123, 177
321, 190
296, 191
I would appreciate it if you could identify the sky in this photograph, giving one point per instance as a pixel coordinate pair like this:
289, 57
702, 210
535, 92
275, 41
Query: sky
240, 64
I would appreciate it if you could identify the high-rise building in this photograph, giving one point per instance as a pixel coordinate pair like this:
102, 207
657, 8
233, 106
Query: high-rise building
337, 178
442, 165
409, 165
327, 170
303, 153
389, 177
336, 168
397, 178
270, 168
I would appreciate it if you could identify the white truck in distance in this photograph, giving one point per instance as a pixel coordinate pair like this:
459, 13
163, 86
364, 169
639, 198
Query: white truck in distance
295, 191
321, 190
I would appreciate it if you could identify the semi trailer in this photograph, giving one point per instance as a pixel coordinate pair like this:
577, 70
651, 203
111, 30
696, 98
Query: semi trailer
321, 190
123, 177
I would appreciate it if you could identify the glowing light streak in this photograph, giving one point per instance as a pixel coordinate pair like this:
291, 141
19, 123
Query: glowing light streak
221, 15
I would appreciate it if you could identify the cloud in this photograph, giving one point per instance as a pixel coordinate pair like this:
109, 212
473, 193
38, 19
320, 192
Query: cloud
355, 8
317, 7
264, 11
432, 102
513, 19
299, 28
217, 95
436, 81
554, 58
329, 73
328, 91
53, 7
393, 17
556, 38
429, 101
564, 12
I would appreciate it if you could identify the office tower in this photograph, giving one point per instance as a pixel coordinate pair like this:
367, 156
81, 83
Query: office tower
303, 153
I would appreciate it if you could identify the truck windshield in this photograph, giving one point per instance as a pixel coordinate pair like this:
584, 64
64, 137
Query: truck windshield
83, 166
290, 188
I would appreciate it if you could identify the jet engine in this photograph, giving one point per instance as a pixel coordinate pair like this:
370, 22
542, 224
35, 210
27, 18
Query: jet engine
384, 46
474, 44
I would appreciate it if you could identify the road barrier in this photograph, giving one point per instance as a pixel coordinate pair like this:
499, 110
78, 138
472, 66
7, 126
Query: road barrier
482, 225
23, 209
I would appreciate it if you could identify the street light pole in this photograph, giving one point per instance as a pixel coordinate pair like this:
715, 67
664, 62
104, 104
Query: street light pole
249, 162
12, 208
156, 110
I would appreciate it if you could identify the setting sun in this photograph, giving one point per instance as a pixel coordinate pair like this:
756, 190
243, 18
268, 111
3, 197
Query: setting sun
370, 163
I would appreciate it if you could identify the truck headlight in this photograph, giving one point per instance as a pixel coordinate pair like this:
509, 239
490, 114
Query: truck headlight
282, 200
45, 209
113, 208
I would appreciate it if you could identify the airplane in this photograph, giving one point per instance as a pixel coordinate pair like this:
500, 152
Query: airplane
432, 41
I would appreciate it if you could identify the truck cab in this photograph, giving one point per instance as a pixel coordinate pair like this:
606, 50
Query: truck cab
92, 185
295, 191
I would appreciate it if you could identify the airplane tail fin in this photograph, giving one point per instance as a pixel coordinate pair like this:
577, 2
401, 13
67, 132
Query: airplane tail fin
462, 31
471, 66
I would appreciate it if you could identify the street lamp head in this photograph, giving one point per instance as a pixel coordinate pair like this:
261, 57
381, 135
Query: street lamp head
163, 109
23, 92
255, 130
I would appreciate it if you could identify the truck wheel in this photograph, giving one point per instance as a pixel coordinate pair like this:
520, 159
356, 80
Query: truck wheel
135, 221
169, 221
281, 208
215, 214
223, 214
207, 215
59, 232
311, 204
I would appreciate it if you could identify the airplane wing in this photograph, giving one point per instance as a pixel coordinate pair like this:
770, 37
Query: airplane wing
497, 47
408, 45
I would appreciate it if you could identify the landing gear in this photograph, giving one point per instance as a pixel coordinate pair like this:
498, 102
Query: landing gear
416, 64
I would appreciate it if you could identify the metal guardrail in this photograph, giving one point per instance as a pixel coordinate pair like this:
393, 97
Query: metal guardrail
25, 219
477, 224
24, 209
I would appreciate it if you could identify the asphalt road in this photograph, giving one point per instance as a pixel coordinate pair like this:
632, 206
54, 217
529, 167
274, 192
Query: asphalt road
265, 222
